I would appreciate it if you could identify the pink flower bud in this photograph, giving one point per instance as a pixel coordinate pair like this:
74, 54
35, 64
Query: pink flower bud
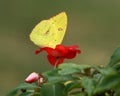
32, 77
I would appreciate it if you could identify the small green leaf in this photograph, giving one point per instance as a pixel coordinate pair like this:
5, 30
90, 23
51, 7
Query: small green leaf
14, 92
73, 65
27, 85
72, 85
117, 90
70, 68
108, 82
26, 94
97, 76
89, 85
77, 92
81, 94
115, 58
105, 70
59, 78
53, 90
117, 68
24, 85
67, 71
50, 73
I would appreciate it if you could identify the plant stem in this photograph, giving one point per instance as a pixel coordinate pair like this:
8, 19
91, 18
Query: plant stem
56, 63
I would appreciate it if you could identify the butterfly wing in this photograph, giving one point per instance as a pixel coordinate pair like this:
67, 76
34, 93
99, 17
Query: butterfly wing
50, 32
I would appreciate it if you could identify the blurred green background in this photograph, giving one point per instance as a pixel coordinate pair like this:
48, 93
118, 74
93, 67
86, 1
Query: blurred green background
94, 25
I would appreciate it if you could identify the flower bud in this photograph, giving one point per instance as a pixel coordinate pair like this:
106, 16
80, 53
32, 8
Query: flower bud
32, 77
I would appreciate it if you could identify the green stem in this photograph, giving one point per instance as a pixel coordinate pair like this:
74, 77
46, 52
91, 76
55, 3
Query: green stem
56, 63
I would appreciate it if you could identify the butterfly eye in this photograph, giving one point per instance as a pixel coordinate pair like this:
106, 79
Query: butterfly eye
47, 32
60, 29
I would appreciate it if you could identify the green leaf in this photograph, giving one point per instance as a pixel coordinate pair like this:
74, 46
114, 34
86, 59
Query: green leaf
59, 78
67, 71
81, 94
115, 58
52, 76
117, 90
70, 68
24, 85
106, 70
117, 68
108, 82
72, 85
50, 73
13, 92
73, 65
77, 92
97, 76
26, 94
89, 85
27, 85
53, 90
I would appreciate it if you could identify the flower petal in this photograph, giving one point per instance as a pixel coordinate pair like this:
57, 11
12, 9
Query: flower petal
52, 59
61, 50
72, 52
73, 47
47, 49
78, 51
71, 55
40, 50
60, 60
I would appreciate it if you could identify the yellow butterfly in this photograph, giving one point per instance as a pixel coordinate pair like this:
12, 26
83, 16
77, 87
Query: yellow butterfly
49, 33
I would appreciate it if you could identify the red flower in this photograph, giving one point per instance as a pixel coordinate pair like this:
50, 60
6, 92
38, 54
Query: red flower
57, 55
